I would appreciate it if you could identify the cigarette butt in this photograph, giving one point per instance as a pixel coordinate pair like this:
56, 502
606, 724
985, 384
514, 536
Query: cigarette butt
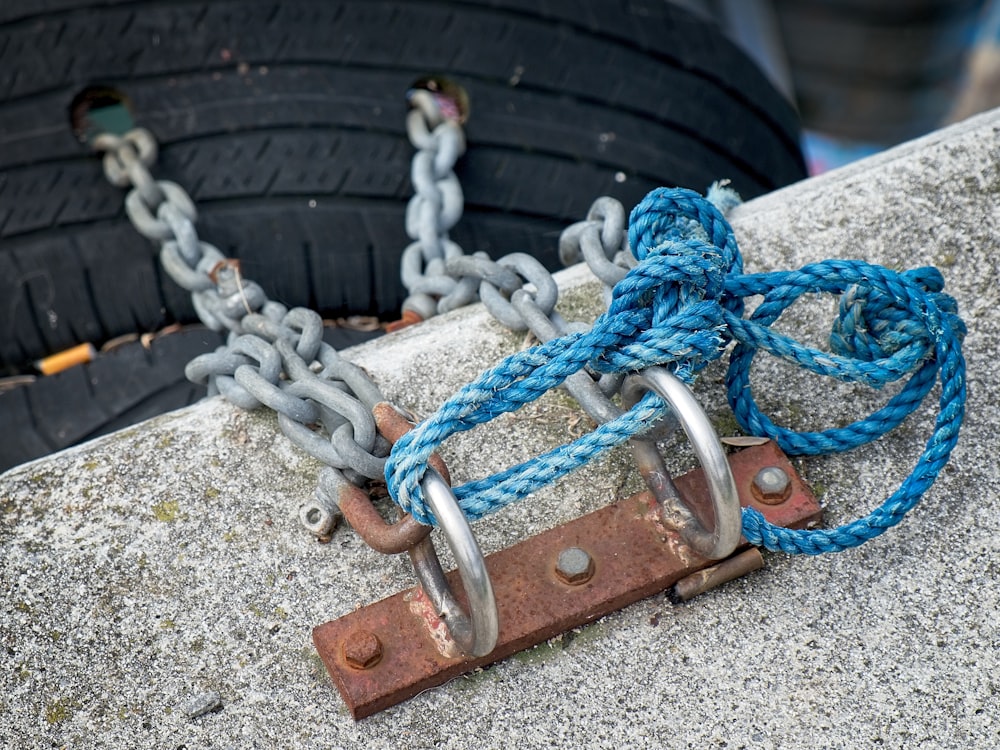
77, 355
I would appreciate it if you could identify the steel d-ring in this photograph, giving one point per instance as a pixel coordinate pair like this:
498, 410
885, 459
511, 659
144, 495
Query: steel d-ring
712, 532
475, 633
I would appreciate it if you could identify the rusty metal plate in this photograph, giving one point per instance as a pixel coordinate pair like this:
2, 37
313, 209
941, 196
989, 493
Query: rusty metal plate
634, 556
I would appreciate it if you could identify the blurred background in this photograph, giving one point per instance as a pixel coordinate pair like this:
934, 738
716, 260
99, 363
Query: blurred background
867, 75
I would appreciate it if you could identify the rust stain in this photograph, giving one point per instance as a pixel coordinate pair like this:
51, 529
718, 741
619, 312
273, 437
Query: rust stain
421, 606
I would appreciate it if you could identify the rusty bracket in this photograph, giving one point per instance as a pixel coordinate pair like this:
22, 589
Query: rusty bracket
389, 651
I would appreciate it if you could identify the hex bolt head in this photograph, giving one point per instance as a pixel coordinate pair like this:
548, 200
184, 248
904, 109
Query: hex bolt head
771, 485
362, 649
574, 566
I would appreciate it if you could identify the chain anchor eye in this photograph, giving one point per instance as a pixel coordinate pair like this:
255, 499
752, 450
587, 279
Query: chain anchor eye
439, 99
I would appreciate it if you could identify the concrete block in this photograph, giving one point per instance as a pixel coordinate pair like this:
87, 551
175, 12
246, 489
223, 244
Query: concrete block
158, 591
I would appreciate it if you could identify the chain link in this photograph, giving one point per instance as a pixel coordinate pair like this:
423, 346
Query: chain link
601, 241
436, 206
274, 356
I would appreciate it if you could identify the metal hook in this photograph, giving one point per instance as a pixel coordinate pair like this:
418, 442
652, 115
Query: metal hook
475, 632
715, 532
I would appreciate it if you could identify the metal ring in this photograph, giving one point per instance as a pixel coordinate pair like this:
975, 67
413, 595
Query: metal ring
474, 633
717, 535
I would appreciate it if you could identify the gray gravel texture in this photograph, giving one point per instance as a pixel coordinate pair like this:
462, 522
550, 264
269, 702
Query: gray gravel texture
158, 591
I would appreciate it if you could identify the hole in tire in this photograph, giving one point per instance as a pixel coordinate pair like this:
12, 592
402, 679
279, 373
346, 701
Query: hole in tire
92, 98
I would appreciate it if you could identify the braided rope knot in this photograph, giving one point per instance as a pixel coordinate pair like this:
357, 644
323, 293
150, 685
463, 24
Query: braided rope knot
674, 299
680, 307
680, 223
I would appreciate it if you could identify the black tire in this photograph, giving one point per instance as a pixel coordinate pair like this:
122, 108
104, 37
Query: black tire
284, 120
128, 384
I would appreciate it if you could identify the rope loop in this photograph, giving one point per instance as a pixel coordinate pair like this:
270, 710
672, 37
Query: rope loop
680, 307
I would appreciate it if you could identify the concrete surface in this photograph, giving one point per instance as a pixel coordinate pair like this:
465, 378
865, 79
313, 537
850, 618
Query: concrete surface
164, 565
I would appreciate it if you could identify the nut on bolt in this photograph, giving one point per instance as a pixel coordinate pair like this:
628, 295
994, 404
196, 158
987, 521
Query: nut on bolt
574, 566
362, 649
771, 485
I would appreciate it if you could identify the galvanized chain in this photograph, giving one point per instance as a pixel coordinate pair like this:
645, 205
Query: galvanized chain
274, 356
601, 241
440, 277
521, 294
433, 127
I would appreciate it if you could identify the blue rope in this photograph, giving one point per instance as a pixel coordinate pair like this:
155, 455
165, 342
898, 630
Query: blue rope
679, 308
